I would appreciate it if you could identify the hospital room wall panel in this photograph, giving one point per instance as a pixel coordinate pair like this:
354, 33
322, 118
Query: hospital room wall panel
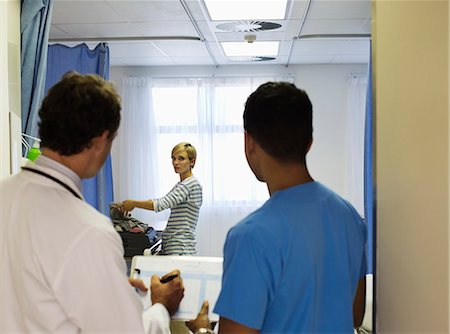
9, 76
411, 72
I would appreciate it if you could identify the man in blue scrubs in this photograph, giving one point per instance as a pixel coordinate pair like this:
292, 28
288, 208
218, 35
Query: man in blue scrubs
295, 264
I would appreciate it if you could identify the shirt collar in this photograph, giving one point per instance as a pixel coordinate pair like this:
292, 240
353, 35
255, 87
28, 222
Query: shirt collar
47, 162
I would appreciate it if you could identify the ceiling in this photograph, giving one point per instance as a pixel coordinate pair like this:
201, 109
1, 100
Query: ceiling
180, 32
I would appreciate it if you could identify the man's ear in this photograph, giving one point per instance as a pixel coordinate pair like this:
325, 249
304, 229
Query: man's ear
99, 142
249, 142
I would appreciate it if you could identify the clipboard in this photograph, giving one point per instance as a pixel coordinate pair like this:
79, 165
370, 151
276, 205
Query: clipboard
202, 280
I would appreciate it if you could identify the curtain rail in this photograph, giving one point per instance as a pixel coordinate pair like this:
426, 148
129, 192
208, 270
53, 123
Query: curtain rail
313, 36
199, 32
302, 23
125, 39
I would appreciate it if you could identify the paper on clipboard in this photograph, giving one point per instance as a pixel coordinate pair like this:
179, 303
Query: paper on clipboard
202, 279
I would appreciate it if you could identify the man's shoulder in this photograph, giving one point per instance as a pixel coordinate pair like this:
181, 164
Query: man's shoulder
255, 222
90, 218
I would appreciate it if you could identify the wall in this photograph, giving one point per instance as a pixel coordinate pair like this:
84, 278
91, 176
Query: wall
327, 89
411, 73
9, 75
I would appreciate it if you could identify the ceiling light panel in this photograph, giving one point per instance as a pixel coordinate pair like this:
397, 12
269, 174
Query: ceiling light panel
241, 49
222, 10
247, 26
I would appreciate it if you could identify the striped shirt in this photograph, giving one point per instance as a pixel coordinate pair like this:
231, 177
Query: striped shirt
184, 200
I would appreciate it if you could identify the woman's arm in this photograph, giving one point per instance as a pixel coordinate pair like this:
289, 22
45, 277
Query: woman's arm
130, 204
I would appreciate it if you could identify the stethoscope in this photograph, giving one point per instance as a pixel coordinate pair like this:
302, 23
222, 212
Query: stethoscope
48, 176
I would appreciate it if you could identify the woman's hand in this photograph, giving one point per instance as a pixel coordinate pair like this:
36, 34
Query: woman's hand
126, 206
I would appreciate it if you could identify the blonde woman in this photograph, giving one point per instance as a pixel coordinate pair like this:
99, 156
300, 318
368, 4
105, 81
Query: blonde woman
184, 201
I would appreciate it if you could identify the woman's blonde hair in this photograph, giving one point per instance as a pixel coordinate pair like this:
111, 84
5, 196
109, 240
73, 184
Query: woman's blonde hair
190, 150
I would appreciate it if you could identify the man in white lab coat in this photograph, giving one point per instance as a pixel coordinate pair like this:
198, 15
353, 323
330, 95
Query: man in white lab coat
61, 261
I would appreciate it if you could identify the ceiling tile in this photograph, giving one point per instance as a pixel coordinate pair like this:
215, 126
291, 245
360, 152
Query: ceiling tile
189, 60
141, 61
330, 47
66, 12
99, 30
103, 19
206, 30
310, 59
103, 30
153, 11
182, 48
285, 48
57, 32
298, 8
170, 28
328, 26
351, 58
136, 50
196, 9
332, 9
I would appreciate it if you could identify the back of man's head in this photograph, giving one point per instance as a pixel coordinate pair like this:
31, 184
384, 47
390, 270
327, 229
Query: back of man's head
278, 116
77, 109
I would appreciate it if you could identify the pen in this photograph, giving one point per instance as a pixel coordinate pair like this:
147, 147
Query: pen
168, 278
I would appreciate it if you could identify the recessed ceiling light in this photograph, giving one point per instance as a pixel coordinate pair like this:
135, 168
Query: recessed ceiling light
248, 26
251, 59
239, 49
246, 9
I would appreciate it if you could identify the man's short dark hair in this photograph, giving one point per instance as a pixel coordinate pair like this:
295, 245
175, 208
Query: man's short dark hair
77, 109
278, 116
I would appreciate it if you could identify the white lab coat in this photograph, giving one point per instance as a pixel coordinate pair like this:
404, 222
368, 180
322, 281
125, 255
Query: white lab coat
61, 264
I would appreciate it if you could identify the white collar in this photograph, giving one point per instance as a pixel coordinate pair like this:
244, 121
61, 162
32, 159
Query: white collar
46, 162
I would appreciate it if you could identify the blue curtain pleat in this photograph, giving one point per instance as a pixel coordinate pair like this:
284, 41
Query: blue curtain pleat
35, 21
98, 190
368, 170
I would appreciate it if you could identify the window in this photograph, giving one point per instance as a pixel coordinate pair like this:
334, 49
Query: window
216, 130
159, 113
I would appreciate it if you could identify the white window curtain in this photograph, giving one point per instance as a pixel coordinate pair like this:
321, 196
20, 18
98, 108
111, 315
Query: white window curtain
157, 114
133, 154
355, 118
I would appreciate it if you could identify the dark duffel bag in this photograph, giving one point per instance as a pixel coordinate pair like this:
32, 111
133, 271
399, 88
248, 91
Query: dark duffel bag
135, 243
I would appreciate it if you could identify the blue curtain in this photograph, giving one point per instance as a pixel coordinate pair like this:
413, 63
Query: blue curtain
368, 169
98, 191
35, 21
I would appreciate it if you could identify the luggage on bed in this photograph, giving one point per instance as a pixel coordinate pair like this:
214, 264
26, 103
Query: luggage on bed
136, 235
136, 243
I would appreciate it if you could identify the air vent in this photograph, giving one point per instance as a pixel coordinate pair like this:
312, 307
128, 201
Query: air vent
250, 59
248, 26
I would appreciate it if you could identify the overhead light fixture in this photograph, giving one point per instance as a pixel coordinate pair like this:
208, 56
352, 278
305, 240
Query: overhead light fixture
248, 26
251, 59
242, 49
224, 10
